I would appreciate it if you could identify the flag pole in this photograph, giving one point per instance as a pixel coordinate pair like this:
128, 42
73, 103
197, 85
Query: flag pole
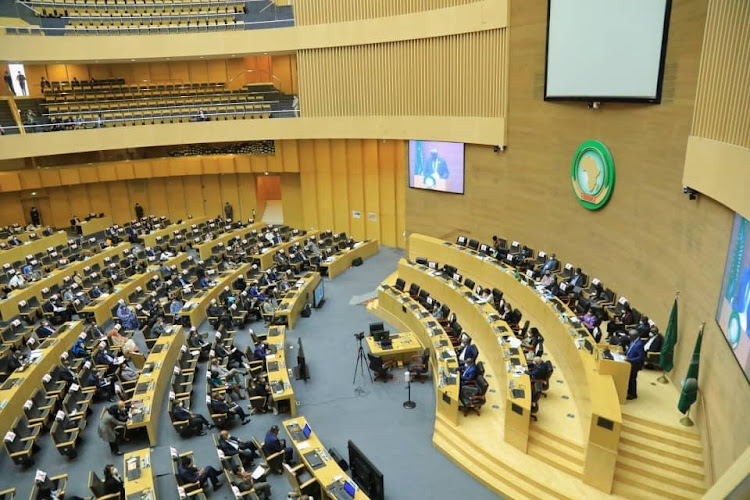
686, 420
663, 378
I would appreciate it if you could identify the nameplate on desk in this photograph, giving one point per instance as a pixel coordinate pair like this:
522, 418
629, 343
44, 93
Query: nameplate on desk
517, 393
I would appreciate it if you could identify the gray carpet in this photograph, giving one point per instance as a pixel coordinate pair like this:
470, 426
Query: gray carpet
396, 440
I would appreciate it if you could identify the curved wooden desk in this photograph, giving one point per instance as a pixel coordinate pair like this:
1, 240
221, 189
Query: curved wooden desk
92, 226
397, 308
294, 301
594, 393
204, 249
31, 247
153, 383
326, 474
277, 337
149, 239
144, 484
343, 260
9, 306
21, 385
195, 308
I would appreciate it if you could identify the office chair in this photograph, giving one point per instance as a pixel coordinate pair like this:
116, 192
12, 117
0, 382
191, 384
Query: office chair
536, 393
190, 488
473, 397
380, 368
420, 365
421, 260
8, 494
58, 483
542, 384
301, 480
275, 461
65, 440
473, 244
400, 284
414, 291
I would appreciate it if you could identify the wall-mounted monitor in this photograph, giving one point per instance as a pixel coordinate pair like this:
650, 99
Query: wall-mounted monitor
733, 312
437, 166
606, 50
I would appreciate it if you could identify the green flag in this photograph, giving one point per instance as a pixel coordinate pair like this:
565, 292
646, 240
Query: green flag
690, 391
666, 360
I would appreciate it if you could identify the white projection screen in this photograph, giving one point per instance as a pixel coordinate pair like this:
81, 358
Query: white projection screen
606, 50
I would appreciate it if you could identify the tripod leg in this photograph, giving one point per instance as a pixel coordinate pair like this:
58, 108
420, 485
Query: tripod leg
354, 380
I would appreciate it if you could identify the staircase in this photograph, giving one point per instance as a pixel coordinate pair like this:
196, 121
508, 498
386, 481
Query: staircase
503, 479
556, 451
7, 120
655, 460
25, 104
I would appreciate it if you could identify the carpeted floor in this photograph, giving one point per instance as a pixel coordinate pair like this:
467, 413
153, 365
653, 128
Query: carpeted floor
396, 440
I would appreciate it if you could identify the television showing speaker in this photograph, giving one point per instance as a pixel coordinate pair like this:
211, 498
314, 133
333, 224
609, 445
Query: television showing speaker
437, 166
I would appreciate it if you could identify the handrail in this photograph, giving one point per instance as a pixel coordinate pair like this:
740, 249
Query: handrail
41, 3
241, 73
207, 15
68, 103
149, 108
36, 127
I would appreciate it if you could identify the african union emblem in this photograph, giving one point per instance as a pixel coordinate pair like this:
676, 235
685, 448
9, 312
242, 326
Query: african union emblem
593, 174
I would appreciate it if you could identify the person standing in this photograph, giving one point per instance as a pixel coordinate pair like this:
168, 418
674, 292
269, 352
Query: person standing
636, 356
228, 211
138, 211
21, 79
112, 418
9, 82
35, 218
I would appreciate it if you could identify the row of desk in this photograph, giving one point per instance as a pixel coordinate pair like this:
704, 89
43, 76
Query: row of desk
9, 305
153, 383
204, 249
490, 333
140, 487
277, 337
20, 252
595, 393
401, 309
195, 308
342, 261
329, 472
21, 385
266, 258
93, 226
295, 300
149, 239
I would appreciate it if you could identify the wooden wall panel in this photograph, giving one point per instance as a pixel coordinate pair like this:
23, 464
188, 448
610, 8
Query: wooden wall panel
372, 189
339, 187
99, 196
80, 202
246, 195
122, 210
291, 200
193, 195
323, 183
459, 75
230, 193
157, 202
387, 178
722, 109
308, 183
308, 12
11, 210
212, 195
176, 199
356, 183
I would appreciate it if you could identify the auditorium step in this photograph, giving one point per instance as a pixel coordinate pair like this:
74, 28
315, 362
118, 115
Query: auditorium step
655, 459
556, 451
503, 479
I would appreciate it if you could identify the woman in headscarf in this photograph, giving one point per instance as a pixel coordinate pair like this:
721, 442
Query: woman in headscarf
127, 316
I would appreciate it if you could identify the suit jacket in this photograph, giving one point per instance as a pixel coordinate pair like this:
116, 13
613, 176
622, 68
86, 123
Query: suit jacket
470, 351
44, 332
470, 373
655, 346
218, 406
636, 354
271, 443
432, 166
188, 474
180, 413
229, 446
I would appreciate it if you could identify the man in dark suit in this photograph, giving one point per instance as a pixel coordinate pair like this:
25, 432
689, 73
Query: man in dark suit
636, 356
232, 445
196, 421
433, 166
551, 265
272, 444
469, 371
467, 350
231, 410
45, 330
577, 280
189, 473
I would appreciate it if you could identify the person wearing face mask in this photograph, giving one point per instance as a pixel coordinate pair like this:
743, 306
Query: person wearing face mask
113, 482
468, 350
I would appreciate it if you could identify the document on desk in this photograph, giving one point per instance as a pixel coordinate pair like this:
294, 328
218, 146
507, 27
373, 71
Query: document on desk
303, 446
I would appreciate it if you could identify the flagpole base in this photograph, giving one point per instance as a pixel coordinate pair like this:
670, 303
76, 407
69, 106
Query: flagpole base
686, 421
663, 379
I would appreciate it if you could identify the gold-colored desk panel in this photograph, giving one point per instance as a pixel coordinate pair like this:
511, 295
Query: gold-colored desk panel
291, 305
343, 260
31, 247
195, 308
149, 240
204, 249
405, 346
145, 483
9, 306
326, 474
159, 366
30, 379
91, 226
277, 337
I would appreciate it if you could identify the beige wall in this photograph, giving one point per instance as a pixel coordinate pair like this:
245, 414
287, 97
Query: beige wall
648, 242
336, 11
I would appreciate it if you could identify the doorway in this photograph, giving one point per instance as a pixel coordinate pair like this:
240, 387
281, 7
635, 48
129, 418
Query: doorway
42, 204
268, 196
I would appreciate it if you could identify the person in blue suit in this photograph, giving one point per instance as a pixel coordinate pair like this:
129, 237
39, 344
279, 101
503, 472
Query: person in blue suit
470, 371
468, 350
272, 444
189, 473
636, 356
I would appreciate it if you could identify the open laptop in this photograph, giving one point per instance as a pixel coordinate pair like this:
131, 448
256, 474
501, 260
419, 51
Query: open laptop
299, 434
342, 491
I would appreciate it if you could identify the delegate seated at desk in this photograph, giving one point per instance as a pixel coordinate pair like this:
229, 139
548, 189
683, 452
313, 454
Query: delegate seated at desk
469, 372
196, 422
189, 473
467, 350
272, 444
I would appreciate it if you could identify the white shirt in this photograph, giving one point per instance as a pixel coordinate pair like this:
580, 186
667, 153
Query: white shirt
17, 281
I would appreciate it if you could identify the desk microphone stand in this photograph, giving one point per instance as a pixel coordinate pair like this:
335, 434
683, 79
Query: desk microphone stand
409, 404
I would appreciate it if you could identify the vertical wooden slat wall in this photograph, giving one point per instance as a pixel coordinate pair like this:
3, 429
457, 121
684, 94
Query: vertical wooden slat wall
458, 75
307, 12
722, 107
323, 183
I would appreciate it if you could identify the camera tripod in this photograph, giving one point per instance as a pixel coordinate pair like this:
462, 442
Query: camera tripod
361, 363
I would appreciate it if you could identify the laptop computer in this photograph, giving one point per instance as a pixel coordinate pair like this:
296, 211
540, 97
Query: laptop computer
272, 366
299, 434
342, 491
314, 460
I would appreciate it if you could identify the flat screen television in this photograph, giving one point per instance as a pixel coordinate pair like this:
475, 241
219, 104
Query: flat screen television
365, 474
318, 295
437, 166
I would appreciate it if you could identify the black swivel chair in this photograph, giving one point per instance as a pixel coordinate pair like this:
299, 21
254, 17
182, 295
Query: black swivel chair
379, 367
400, 284
419, 366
